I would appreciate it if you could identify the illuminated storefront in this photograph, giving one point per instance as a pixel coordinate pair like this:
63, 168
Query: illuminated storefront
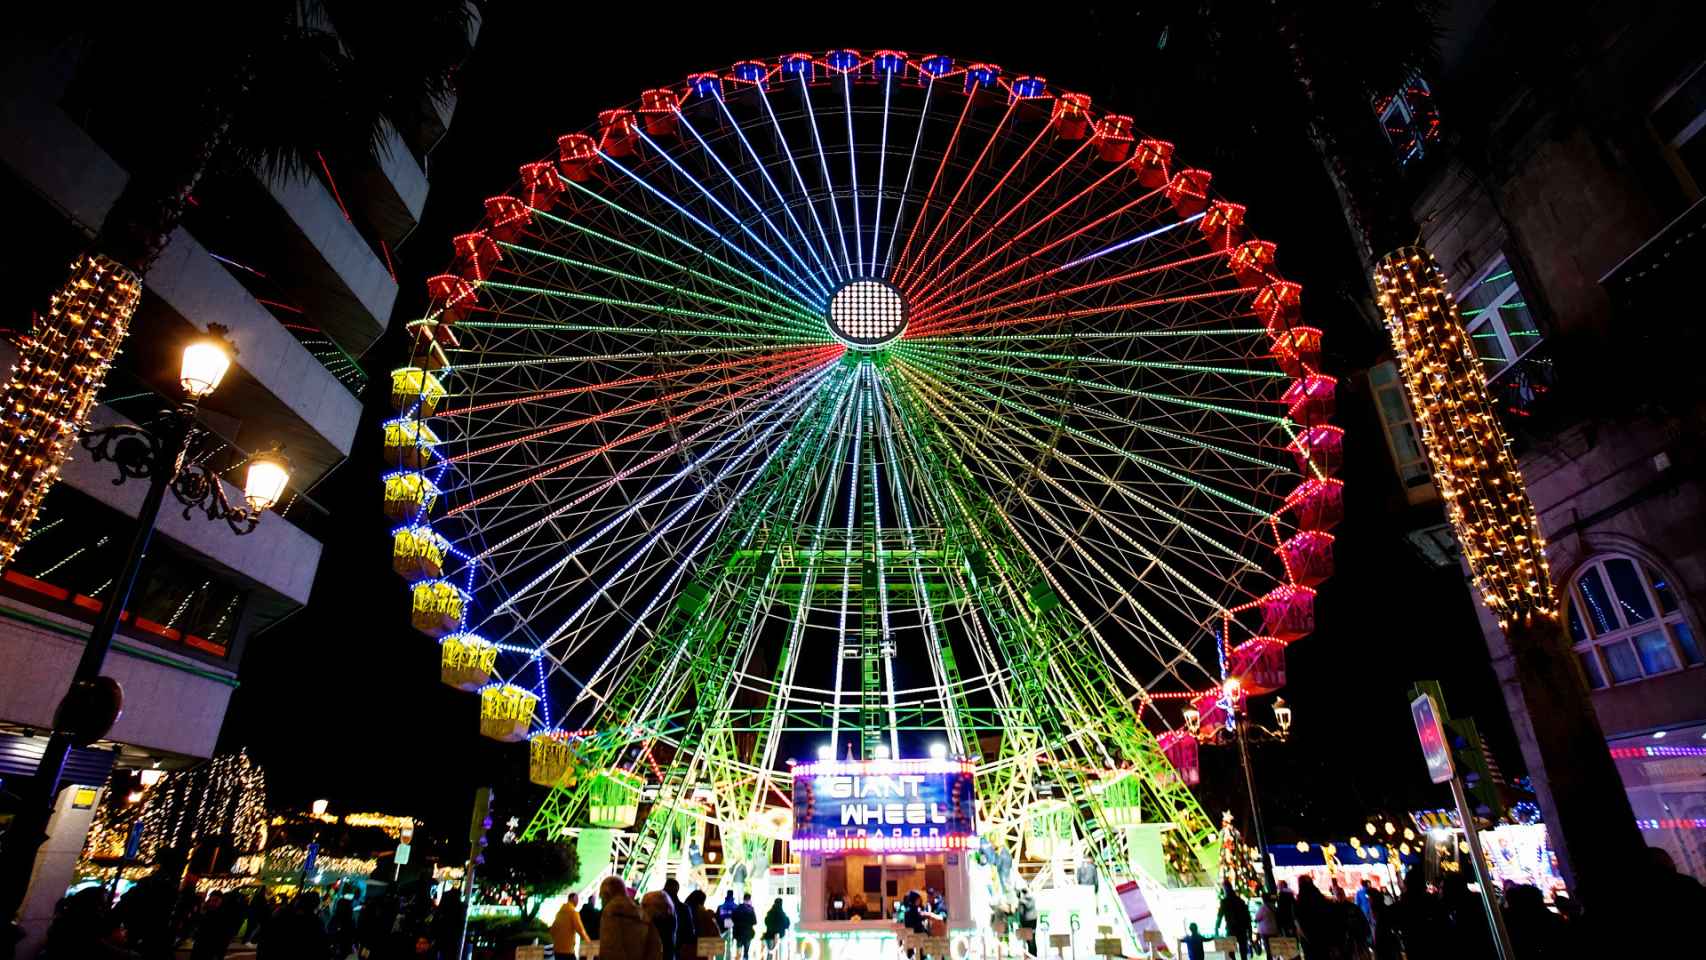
870, 832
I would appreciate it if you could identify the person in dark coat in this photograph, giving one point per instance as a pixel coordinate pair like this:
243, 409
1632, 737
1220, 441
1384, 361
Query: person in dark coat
1317, 924
218, 926
446, 925
685, 937
726, 912
590, 915
149, 909
1234, 917
295, 933
624, 933
704, 921
745, 921
659, 911
1422, 922
775, 924
1285, 910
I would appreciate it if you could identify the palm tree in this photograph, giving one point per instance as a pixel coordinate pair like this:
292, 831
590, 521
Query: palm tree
236, 89
1338, 57
239, 89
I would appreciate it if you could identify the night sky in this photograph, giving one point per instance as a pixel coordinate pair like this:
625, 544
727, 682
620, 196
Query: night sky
343, 699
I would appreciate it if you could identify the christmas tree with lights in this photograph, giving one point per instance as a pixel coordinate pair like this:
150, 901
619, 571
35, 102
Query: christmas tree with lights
1237, 859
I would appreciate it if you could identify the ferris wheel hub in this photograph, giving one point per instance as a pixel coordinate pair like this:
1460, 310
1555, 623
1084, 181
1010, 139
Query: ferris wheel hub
867, 314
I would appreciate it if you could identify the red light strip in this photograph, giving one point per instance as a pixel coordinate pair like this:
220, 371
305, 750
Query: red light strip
940, 322
1111, 308
933, 300
904, 278
330, 182
947, 271
624, 382
630, 408
835, 352
924, 205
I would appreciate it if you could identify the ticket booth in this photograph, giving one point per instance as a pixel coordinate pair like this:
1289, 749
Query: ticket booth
868, 833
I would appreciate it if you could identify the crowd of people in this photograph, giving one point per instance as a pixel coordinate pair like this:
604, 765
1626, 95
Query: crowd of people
662, 925
1446, 922
157, 920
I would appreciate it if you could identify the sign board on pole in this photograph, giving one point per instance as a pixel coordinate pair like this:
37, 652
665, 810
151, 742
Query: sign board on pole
1436, 749
401, 858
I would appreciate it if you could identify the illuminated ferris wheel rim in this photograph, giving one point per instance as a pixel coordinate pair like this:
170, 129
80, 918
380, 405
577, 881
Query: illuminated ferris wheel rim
815, 294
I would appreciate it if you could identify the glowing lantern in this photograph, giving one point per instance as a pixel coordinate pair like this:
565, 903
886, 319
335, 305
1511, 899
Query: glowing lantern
1298, 350
409, 495
437, 607
1071, 116
550, 759
1223, 224
540, 185
1309, 401
454, 296
1048, 828
1253, 262
1308, 557
1113, 137
412, 387
577, 156
1259, 665
1180, 749
1122, 799
1288, 612
506, 712
476, 253
506, 217
616, 132
1319, 450
417, 552
1317, 504
409, 443
466, 661
1188, 192
657, 111
613, 799
1153, 161
1279, 304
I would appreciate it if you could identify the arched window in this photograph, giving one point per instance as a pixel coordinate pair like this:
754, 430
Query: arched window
1627, 622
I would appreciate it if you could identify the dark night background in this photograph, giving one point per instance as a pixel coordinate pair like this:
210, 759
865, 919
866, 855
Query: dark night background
343, 699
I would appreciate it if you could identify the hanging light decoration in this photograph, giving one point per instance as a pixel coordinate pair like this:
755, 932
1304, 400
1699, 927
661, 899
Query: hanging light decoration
1478, 479
60, 369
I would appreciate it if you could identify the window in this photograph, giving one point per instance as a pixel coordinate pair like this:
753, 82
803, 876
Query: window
1401, 437
1626, 623
1679, 122
1498, 319
1409, 119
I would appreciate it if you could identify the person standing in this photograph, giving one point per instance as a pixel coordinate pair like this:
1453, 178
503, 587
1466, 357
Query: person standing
218, 926
775, 926
295, 933
685, 947
1234, 914
1267, 922
589, 917
149, 909
660, 913
1028, 920
623, 933
1285, 910
726, 912
568, 931
704, 923
745, 921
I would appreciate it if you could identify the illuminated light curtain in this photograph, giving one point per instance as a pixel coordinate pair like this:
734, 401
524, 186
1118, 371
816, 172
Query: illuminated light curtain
60, 370
1484, 492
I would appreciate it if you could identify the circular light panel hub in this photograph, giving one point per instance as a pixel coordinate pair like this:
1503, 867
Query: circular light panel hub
867, 314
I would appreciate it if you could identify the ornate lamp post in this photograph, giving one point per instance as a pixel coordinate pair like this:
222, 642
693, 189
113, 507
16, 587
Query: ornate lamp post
1238, 722
93, 703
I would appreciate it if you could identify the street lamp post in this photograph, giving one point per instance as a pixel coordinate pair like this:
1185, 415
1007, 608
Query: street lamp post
1241, 727
93, 703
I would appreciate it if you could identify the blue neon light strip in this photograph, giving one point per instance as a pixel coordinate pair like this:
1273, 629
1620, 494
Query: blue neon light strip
787, 208
805, 192
828, 181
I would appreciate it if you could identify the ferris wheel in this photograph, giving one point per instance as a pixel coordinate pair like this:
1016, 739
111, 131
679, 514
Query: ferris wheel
865, 404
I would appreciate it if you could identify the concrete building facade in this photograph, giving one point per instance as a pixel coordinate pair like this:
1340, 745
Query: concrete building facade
1562, 192
301, 273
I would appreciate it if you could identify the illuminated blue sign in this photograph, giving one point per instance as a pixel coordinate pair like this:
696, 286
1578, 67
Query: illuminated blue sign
901, 805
